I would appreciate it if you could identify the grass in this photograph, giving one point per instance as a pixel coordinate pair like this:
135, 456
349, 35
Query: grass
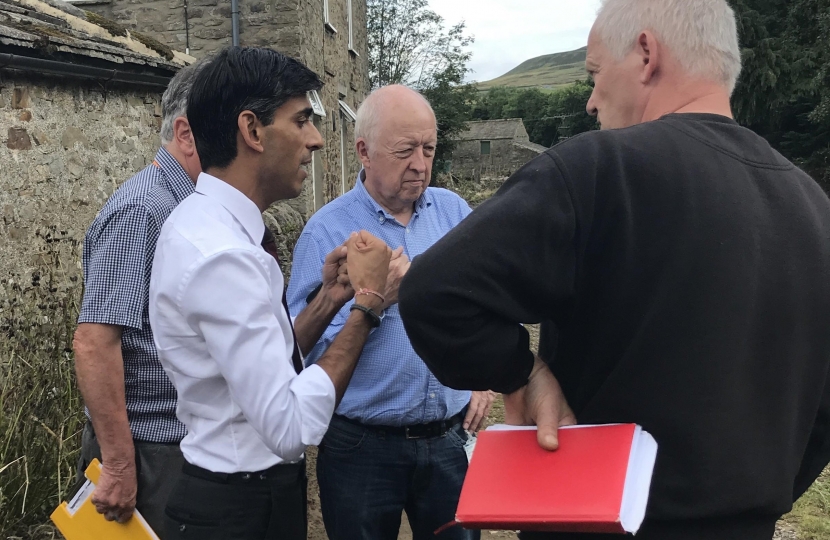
40, 406
545, 77
811, 513
549, 71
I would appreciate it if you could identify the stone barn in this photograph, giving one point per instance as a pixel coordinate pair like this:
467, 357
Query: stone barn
80, 111
329, 36
492, 148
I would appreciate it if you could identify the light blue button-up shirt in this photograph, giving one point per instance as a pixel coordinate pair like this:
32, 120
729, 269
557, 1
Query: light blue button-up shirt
391, 385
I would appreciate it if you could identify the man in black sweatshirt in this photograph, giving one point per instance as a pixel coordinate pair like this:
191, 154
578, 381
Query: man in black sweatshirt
684, 266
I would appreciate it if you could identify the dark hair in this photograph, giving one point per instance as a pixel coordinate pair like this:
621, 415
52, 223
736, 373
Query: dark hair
237, 79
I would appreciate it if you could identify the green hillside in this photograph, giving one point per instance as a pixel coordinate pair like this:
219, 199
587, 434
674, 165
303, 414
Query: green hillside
547, 71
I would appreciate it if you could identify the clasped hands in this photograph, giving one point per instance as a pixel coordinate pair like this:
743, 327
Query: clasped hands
364, 262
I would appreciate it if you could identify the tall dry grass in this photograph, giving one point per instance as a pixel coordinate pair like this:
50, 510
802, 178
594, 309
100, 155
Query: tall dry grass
41, 412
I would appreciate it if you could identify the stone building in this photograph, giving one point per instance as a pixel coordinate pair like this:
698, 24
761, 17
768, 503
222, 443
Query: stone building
329, 36
493, 148
80, 109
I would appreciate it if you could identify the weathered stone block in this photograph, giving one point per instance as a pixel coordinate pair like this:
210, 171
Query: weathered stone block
40, 137
222, 11
20, 98
17, 233
138, 163
25, 116
73, 135
213, 22
19, 139
2, 101
211, 33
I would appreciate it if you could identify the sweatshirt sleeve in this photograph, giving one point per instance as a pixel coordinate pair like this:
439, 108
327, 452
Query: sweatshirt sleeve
511, 261
817, 455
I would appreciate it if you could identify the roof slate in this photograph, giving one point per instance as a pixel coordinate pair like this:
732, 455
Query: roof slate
53, 29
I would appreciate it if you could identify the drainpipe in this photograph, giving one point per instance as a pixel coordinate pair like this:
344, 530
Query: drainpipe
235, 21
186, 30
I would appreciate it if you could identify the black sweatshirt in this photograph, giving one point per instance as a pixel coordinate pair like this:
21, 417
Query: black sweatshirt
685, 266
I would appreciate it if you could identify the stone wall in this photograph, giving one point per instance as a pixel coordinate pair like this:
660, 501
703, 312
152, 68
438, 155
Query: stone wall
294, 27
65, 148
504, 159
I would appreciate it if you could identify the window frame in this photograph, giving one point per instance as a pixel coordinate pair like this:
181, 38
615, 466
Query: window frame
327, 19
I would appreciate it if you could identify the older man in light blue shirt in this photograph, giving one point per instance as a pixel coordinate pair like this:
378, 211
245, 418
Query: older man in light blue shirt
397, 440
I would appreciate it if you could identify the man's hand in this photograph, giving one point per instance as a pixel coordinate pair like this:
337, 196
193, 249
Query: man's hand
480, 403
398, 266
335, 287
115, 493
368, 266
541, 403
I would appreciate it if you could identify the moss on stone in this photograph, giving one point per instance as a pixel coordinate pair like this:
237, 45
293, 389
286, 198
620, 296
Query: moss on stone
151, 43
110, 26
40, 31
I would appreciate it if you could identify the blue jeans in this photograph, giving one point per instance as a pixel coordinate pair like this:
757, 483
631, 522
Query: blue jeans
367, 479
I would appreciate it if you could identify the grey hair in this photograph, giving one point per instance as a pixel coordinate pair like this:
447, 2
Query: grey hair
174, 99
369, 112
702, 34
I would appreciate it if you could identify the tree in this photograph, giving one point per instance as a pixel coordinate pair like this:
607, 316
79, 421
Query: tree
409, 45
784, 90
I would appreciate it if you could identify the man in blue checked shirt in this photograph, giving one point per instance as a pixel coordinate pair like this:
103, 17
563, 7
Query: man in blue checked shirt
396, 442
131, 404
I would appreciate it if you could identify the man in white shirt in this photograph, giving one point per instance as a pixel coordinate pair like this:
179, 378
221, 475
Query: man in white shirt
218, 311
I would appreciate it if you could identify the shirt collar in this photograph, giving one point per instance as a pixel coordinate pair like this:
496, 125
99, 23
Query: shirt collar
424, 201
240, 206
177, 179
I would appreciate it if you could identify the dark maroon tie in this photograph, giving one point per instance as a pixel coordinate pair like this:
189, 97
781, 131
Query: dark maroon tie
269, 244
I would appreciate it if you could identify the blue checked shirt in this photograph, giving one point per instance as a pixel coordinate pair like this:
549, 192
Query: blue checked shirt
117, 260
391, 385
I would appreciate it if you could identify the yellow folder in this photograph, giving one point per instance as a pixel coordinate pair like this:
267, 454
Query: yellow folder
78, 519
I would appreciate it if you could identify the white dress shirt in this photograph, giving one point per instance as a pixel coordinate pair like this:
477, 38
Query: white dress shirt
225, 340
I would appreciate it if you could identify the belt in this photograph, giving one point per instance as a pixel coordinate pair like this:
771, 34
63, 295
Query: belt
415, 431
286, 471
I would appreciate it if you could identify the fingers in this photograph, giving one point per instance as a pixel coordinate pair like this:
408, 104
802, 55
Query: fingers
397, 253
478, 409
547, 422
336, 255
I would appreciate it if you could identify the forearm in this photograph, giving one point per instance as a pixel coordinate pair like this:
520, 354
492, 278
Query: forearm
100, 371
313, 321
340, 360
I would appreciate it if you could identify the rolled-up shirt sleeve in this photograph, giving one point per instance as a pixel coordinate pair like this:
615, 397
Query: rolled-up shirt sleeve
252, 348
511, 261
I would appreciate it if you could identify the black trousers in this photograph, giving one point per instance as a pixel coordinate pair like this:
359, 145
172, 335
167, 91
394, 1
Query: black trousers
264, 505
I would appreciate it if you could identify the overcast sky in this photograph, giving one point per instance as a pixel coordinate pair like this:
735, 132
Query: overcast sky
507, 36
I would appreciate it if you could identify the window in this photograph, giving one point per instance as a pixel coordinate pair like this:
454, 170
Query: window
326, 19
351, 33
346, 115
485, 148
317, 174
316, 103
347, 111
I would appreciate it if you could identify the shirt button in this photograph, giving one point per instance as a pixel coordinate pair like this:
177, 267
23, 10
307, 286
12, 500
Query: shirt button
381, 219
432, 395
246, 476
